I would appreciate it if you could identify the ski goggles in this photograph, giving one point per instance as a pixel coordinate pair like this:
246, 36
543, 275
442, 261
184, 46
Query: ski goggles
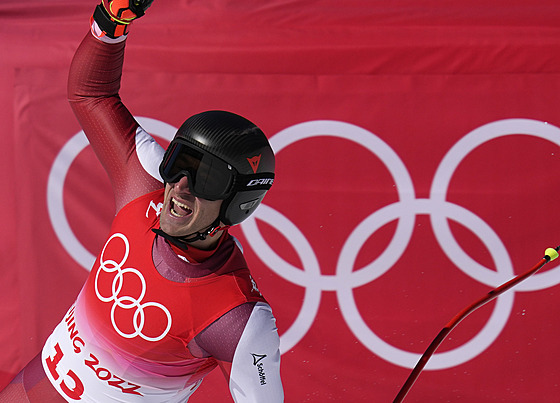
209, 177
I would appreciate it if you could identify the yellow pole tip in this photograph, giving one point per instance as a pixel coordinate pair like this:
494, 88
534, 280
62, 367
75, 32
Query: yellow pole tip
551, 253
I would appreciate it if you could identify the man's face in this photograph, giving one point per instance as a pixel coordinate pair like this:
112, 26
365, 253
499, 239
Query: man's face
184, 214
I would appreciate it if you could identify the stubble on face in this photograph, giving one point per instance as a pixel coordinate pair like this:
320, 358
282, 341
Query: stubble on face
184, 214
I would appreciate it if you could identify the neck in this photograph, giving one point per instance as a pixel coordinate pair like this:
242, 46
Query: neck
209, 242
203, 240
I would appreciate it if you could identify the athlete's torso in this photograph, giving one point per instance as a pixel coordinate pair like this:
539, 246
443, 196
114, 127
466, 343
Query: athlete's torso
137, 324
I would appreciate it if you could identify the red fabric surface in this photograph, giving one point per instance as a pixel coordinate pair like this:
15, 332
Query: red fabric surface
363, 101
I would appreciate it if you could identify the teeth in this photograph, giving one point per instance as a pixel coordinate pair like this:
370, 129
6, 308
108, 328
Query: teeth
182, 206
173, 213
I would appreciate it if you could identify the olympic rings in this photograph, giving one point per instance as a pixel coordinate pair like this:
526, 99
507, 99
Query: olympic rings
125, 301
347, 277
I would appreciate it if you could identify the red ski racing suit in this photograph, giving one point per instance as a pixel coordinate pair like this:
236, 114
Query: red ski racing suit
152, 320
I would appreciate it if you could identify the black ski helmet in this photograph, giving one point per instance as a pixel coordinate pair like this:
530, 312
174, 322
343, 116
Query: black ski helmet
220, 141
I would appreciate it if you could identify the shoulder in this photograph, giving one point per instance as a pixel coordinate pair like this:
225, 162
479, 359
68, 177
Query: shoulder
144, 209
261, 324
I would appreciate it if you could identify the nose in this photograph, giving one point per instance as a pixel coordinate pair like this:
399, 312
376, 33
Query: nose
182, 184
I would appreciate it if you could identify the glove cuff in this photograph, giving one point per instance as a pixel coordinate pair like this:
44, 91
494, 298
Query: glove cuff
109, 25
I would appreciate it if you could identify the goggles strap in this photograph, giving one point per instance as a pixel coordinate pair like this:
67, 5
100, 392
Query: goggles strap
260, 181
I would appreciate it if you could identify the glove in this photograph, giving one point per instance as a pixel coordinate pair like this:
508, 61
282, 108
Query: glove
115, 16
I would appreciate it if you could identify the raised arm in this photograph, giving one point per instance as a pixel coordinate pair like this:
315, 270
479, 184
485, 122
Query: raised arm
93, 92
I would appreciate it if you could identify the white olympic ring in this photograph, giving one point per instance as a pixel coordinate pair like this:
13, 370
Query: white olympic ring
405, 210
127, 302
346, 278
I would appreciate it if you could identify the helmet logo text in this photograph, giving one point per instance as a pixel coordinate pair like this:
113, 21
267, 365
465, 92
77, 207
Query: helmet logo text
263, 181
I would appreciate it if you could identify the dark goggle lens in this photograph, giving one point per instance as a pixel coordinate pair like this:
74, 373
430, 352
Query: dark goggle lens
209, 177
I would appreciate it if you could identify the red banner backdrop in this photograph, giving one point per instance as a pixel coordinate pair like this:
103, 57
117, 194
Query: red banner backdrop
417, 151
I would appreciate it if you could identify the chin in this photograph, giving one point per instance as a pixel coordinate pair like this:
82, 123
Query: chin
170, 229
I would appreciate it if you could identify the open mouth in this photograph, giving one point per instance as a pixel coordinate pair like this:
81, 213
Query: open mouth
179, 209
